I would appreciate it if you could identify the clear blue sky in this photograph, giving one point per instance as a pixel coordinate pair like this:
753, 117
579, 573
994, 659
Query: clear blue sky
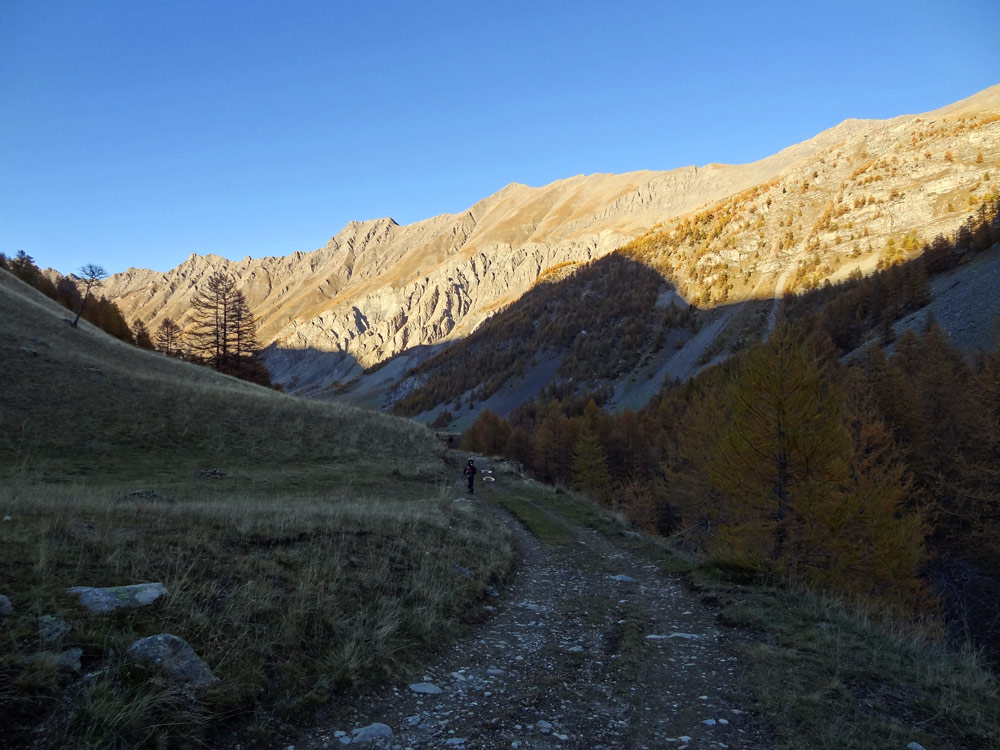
137, 132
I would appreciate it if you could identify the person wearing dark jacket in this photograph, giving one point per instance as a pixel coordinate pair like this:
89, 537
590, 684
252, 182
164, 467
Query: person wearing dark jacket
470, 474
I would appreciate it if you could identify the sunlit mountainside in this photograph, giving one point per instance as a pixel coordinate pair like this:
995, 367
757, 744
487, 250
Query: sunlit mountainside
864, 193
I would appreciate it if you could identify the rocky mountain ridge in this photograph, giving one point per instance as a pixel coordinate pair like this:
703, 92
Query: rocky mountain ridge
378, 289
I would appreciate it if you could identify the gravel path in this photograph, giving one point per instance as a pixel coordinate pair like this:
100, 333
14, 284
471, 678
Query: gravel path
589, 646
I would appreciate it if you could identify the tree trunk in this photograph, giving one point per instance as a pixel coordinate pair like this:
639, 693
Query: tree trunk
79, 310
781, 530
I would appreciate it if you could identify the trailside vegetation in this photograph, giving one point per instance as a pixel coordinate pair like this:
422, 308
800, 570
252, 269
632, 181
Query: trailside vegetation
874, 478
292, 537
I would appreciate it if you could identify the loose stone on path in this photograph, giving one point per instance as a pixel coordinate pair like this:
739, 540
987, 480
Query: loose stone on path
426, 688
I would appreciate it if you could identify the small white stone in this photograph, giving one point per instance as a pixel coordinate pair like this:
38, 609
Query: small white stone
914, 746
709, 722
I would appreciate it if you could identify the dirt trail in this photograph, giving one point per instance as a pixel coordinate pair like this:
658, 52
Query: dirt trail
589, 646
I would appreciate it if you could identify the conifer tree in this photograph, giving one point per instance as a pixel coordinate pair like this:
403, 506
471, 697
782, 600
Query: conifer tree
168, 337
243, 325
23, 266
142, 337
212, 336
780, 455
589, 467
518, 447
224, 331
552, 445
874, 542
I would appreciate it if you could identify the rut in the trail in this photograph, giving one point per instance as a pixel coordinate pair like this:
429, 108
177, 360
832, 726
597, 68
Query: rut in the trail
588, 647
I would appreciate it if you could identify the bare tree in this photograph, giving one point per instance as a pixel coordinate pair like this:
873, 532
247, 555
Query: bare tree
91, 275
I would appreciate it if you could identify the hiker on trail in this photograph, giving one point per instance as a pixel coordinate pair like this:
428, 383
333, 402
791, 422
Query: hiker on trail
470, 473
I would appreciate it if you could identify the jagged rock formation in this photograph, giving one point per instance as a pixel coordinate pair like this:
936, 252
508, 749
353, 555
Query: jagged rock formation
377, 289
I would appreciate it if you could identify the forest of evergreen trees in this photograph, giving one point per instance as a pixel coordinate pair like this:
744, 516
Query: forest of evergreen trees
867, 478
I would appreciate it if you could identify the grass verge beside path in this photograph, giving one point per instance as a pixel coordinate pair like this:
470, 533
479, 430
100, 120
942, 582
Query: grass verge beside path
831, 677
288, 598
322, 553
821, 674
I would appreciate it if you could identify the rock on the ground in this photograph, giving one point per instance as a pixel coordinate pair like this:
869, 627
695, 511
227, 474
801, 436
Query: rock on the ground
426, 688
370, 733
623, 578
70, 659
103, 600
52, 627
6, 608
174, 657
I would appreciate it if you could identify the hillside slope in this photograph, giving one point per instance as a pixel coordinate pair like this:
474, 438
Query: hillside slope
288, 537
378, 289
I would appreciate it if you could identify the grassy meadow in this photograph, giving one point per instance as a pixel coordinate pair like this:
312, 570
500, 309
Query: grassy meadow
324, 557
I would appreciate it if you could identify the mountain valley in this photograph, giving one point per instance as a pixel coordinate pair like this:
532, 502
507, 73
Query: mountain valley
351, 319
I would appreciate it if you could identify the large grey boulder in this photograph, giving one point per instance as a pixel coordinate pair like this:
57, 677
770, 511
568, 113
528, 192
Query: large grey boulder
6, 608
173, 657
103, 600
